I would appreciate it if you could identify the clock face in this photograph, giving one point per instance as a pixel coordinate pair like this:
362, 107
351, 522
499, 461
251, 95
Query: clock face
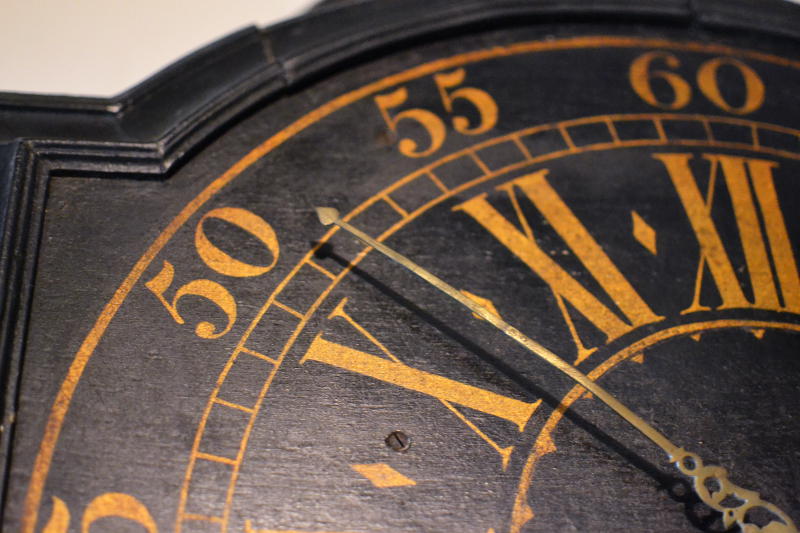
203, 355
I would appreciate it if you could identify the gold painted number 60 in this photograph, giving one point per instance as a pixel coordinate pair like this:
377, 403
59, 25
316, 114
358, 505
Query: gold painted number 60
641, 76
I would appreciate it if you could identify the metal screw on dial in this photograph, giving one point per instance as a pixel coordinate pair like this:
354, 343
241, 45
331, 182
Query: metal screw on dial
398, 441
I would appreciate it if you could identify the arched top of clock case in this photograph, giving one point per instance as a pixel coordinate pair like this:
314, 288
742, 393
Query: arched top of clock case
153, 125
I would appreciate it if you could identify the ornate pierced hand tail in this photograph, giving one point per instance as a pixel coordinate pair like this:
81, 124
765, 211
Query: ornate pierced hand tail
712, 485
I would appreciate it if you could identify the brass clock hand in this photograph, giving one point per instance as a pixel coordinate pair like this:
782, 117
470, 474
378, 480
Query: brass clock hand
710, 482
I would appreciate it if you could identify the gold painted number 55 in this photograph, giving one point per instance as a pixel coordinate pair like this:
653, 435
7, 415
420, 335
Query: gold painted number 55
446, 83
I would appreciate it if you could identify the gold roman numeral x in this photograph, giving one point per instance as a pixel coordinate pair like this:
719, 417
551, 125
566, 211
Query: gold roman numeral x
391, 369
564, 286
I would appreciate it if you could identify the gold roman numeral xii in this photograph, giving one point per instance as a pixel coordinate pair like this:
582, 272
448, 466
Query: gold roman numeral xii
756, 249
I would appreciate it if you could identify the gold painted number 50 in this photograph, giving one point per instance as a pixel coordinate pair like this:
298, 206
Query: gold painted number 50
221, 262
446, 83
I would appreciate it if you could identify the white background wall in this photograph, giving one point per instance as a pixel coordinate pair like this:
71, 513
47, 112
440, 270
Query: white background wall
102, 47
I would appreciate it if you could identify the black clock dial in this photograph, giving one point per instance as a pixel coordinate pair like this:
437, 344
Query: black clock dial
196, 353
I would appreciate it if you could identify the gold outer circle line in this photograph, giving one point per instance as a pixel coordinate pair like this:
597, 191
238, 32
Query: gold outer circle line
63, 398
544, 444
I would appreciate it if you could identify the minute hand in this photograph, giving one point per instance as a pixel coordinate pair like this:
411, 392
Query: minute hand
688, 463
